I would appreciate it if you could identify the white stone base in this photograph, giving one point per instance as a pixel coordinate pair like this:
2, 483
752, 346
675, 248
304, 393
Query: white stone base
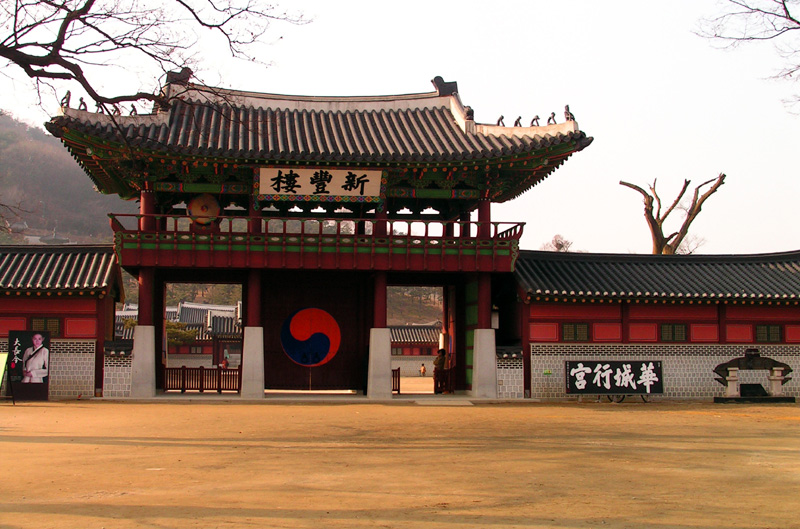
379, 381
253, 363
143, 362
484, 365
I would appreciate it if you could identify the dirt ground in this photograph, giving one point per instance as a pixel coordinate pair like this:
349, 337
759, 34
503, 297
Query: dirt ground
438, 462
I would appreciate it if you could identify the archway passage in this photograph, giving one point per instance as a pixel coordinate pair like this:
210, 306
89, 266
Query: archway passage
416, 319
202, 337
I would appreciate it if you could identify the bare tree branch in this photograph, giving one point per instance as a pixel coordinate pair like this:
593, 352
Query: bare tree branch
773, 21
670, 244
557, 244
73, 40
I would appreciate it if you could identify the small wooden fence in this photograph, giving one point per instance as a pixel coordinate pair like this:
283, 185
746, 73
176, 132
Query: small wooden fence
202, 379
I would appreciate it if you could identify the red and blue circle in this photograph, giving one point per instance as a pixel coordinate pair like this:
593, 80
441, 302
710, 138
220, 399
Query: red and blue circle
310, 337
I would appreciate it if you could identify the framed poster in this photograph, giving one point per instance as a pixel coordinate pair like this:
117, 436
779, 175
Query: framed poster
29, 364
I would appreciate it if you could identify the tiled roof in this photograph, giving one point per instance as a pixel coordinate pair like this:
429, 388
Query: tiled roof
220, 321
415, 333
123, 333
88, 269
189, 312
322, 134
224, 326
697, 277
205, 123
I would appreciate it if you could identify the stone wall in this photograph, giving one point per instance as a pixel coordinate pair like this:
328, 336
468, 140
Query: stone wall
197, 360
687, 369
409, 365
71, 369
510, 377
180, 360
117, 377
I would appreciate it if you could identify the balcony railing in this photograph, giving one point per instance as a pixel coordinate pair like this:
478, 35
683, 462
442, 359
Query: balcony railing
309, 226
321, 243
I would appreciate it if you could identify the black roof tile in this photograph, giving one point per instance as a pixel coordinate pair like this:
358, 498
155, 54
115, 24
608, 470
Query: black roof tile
57, 268
415, 333
410, 128
773, 276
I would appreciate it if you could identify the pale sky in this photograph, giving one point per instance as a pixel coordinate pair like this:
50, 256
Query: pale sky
659, 101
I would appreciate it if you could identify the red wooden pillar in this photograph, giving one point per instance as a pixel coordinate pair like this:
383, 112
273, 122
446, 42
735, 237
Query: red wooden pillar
484, 219
102, 311
380, 224
626, 322
147, 208
379, 312
449, 229
253, 309
722, 322
484, 301
464, 228
146, 296
525, 322
254, 222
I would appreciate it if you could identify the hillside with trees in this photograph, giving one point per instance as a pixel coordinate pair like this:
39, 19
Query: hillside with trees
42, 186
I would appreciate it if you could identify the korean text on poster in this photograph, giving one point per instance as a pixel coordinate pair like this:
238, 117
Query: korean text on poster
605, 377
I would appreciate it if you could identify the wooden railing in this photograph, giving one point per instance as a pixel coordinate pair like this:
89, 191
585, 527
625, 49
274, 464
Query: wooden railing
359, 244
202, 379
175, 224
396, 380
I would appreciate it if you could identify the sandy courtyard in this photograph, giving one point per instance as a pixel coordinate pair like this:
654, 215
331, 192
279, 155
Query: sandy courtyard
165, 464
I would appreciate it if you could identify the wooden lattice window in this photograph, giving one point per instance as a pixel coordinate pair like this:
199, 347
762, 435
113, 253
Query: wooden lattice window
51, 325
673, 332
768, 333
575, 332
396, 351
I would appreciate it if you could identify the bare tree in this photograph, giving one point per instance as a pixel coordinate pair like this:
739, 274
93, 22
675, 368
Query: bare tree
655, 217
690, 244
774, 21
75, 41
558, 244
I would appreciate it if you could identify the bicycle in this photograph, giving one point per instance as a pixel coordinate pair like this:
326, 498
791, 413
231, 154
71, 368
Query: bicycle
620, 398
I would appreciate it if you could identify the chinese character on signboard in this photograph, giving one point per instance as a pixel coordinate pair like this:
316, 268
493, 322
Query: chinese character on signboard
629, 377
318, 182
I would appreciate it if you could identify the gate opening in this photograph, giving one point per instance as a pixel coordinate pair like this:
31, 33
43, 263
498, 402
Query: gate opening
202, 338
415, 316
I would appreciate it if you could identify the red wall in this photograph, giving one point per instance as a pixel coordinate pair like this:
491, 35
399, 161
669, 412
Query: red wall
79, 317
639, 322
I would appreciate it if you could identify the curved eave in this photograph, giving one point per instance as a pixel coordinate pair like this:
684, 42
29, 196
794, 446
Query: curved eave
528, 177
159, 138
39, 293
519, 164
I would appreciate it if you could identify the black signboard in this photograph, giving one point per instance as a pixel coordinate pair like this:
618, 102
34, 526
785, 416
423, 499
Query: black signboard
29, 364
606, 377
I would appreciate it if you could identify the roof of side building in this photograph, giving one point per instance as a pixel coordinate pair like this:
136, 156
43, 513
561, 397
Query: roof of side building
76, 269
774, 276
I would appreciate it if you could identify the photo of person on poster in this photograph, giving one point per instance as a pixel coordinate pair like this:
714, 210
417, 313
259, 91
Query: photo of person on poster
35, 360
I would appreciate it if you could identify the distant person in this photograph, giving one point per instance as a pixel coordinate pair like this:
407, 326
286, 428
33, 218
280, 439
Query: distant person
422, 370
438, 371
224, 363
35, 361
